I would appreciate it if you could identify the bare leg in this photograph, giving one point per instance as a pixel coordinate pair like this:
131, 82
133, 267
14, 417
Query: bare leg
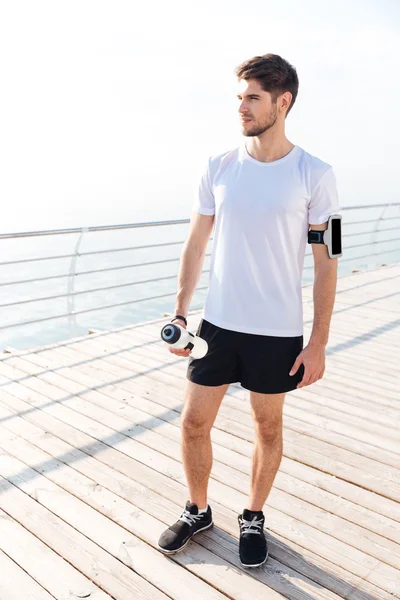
267, 457
198, 415
197, 460
268, 448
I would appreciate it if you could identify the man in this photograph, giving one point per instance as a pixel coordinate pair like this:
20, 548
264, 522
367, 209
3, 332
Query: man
262, 197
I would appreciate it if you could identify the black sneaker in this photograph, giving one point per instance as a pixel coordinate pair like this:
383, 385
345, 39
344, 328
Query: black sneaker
176, 537
253, 549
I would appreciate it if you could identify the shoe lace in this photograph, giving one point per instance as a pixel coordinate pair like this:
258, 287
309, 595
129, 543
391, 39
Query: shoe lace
188, 517
250, 526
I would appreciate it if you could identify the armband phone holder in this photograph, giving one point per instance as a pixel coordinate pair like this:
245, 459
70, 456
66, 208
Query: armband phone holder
331, 237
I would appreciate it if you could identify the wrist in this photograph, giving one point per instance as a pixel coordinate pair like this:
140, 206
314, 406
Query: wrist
180, 317
317, 343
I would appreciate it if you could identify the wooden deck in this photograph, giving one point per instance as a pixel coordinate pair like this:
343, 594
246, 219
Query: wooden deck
91, 471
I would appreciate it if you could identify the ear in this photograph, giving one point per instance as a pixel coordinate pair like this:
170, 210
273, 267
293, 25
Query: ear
286, 101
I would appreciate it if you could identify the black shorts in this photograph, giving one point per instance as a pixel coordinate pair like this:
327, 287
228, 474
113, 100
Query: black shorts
261, 363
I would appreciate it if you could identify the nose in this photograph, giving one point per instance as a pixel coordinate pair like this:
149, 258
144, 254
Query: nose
243, 112
242, 108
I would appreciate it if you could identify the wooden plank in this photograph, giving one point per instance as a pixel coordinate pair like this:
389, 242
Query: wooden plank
15, 583
355, 395
351, 324
349, 365
151, 502
356, 446
377, 297
384, 572
350, 311
379, 325
40, 561
381, 332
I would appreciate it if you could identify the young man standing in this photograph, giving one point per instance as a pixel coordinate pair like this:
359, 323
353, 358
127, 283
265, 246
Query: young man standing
262, 196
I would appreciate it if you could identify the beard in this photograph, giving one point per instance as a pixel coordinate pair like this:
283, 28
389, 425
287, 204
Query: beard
259, 127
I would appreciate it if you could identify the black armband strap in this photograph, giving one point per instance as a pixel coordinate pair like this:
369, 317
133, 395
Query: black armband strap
315, 237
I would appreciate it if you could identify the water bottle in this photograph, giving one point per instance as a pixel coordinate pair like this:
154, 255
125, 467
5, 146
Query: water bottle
178, 337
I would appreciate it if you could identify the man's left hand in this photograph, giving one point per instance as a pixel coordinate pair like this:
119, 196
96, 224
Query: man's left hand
313, 359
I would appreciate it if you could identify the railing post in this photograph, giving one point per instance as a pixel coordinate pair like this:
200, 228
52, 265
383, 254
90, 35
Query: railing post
379, 219
73, 330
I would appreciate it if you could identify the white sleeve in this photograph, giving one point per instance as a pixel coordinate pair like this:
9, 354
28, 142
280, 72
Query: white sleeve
324, 199
204, 199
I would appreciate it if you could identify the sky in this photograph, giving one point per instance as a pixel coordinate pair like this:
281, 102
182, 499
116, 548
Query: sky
110, 109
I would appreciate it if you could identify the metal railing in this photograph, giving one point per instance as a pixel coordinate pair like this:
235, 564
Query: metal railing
71, 294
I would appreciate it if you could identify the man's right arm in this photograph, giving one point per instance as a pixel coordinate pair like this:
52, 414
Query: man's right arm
192, 259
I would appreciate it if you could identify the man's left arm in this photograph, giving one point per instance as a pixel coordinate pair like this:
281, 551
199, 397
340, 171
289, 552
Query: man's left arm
324, 290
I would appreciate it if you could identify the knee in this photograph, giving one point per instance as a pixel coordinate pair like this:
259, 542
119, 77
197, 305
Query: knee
268, 432
192, 427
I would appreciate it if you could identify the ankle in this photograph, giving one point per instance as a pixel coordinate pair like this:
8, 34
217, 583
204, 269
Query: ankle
200, 505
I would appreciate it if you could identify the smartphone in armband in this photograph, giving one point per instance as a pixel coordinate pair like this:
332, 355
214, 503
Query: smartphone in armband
331, 237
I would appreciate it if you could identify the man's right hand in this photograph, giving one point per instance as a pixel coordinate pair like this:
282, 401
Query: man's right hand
179, 351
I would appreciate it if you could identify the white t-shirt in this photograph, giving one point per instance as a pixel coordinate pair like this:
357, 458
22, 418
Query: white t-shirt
262, 216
